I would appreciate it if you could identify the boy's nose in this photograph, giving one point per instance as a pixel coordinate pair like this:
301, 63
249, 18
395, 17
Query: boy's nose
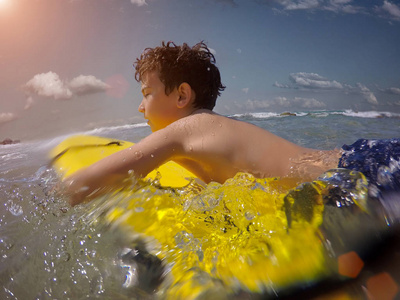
141, 108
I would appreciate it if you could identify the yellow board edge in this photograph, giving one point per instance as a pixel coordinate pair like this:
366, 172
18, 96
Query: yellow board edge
80, 151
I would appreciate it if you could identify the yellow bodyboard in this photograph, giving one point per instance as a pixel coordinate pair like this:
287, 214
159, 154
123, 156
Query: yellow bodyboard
79, 151
233, 235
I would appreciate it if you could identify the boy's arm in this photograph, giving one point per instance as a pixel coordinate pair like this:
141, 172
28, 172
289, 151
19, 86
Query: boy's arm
111, 171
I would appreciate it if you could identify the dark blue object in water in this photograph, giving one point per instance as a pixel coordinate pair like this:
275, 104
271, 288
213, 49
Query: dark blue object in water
379, 161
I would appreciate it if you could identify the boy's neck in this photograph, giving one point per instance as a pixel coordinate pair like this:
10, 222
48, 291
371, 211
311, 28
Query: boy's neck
196, 111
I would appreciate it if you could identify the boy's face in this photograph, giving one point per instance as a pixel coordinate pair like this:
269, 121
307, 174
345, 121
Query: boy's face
158, 108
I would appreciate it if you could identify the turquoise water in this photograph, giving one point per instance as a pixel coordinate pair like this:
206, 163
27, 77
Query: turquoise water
49, 250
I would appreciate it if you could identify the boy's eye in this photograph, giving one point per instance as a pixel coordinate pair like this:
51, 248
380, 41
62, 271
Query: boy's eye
145, 93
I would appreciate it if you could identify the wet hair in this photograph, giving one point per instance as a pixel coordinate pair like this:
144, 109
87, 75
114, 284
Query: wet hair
178, 64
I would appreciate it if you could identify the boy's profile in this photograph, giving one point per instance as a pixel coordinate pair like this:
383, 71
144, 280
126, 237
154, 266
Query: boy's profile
180, 86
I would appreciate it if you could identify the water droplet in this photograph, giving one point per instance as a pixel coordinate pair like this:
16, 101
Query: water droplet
139, 209
249, 215
138, 154
6, 243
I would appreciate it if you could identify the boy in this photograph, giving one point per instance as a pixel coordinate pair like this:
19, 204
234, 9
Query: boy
180, 86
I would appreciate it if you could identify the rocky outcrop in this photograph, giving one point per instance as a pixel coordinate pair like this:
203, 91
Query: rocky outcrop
8, 141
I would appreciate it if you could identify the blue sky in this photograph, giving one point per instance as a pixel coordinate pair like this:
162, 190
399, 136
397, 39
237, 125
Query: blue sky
67, 64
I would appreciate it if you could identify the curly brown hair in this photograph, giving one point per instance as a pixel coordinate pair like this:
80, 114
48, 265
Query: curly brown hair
178, 64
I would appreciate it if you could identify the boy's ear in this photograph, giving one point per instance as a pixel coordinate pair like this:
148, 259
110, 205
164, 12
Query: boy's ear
185, 95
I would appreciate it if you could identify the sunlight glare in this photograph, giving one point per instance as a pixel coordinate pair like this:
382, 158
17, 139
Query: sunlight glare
4, 3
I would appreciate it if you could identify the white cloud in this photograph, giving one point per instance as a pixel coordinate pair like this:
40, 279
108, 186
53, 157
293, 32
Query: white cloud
282, 101
299, 4
392, 90
282, 86
7, 117
392, 9
139, 2
388, 10
308, 102
254, 105
335, 6
29, 103
367, 94
51, 86
313, 81
245, 90
48, 85
87, 85
342, 6
371, 98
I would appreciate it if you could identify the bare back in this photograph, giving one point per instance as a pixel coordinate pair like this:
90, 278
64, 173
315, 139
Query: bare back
215, 148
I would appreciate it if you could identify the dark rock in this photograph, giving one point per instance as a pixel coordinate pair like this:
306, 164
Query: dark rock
8, 141
288, 114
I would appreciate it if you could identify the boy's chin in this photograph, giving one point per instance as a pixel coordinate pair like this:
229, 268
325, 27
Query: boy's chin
152, 127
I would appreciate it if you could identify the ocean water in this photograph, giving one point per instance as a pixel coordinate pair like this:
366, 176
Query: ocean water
49, 250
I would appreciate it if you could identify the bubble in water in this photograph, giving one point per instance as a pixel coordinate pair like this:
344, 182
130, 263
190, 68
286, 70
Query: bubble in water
206, 201
14, 208
346, 187
183, 239
384, 175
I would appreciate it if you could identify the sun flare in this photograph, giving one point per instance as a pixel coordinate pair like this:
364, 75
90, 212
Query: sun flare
4, 3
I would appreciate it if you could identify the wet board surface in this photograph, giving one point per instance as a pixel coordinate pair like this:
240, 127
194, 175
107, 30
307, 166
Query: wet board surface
79, 151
